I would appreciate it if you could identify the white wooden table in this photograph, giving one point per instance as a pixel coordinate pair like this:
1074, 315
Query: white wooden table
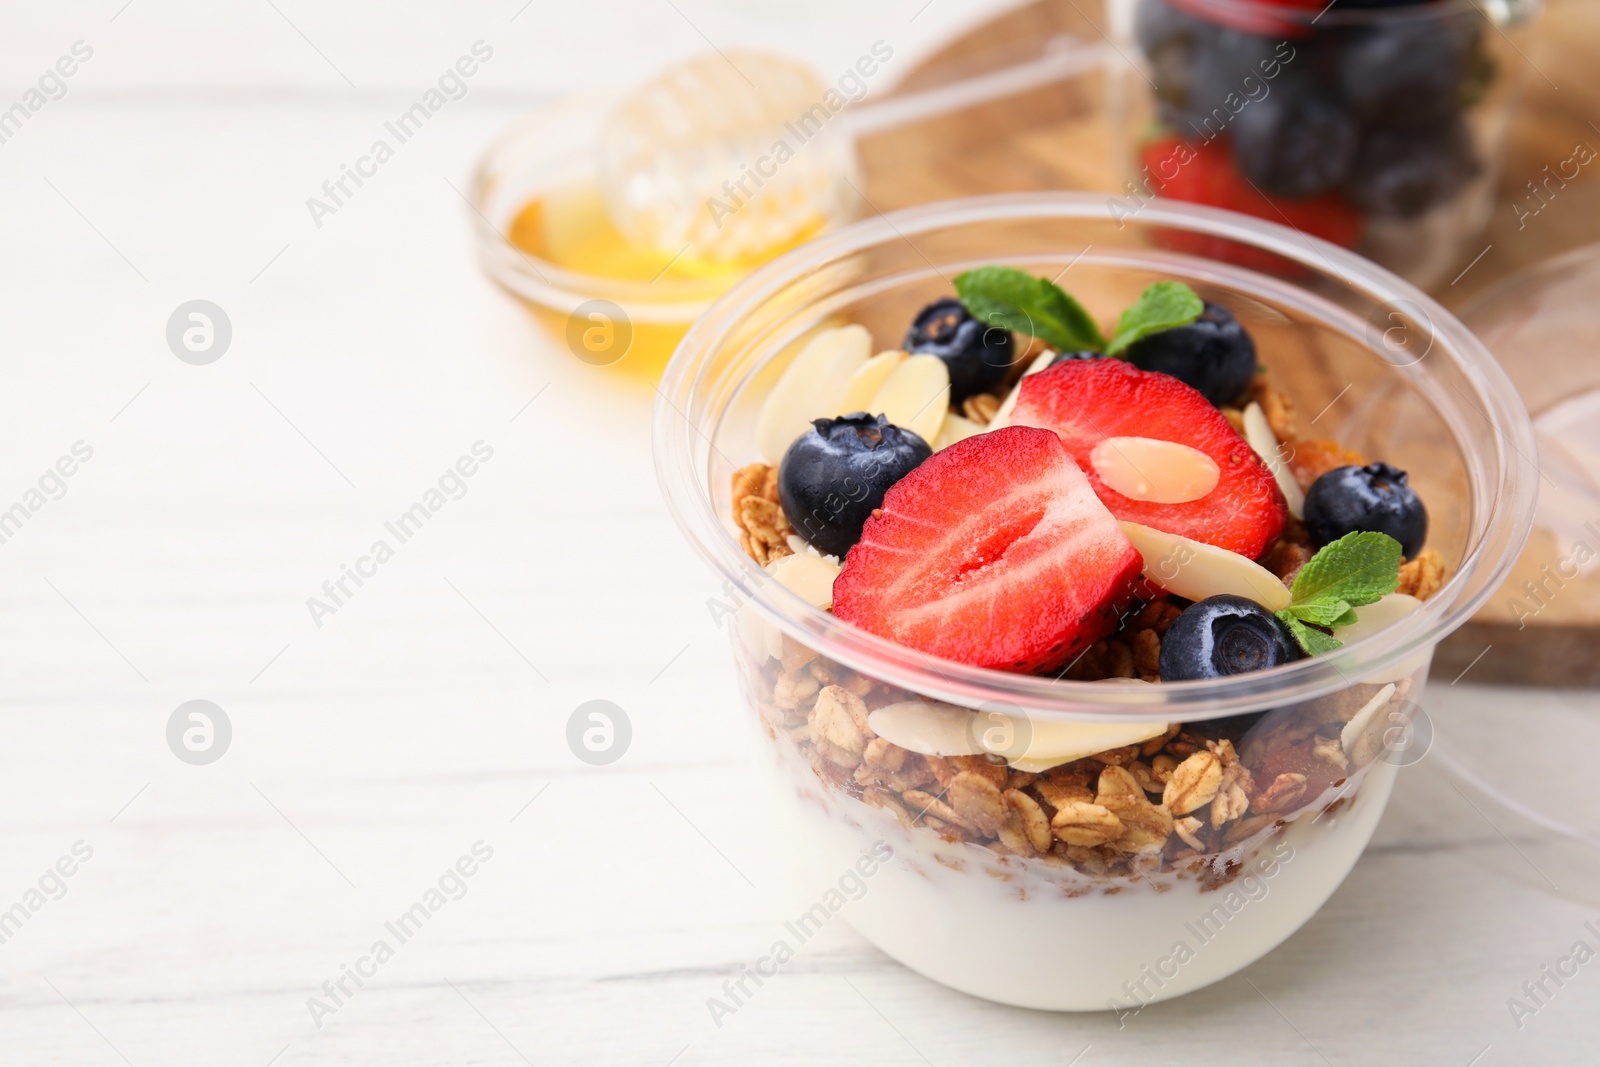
428, 712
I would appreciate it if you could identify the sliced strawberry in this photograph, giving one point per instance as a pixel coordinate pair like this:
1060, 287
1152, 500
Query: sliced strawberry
1205, 174
994, 552
1257, 17
1087, 401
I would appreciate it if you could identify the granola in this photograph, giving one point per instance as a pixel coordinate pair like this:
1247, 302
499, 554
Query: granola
1277, 407
1181, 800
1422, 576
1193, 783
763, 528
982, 408
1311, 459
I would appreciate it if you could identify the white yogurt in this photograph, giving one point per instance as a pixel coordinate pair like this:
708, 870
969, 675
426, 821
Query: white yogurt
1010, 930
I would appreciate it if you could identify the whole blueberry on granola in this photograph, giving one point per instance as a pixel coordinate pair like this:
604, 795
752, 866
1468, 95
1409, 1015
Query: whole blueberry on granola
1224, 635
836, 473
1376, 498
1213, 354
976, 354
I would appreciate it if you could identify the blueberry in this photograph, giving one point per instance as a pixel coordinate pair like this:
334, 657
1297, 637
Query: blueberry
1213, 354
1406, 74
1222, 636
1071, 357
1405, 173
977, 355
835, 474
1375, 498
1226, 69
1296, 142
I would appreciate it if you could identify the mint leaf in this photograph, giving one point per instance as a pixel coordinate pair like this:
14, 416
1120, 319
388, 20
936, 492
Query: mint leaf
1314, 642
1357, 569
1017, 301
1324, 614
1162, 306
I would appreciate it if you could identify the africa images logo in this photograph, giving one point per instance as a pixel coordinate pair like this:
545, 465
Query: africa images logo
850, 886
451, 85
451, 485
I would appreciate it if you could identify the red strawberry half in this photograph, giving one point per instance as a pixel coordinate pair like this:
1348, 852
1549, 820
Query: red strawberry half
1087, 401
1206, 174
994, 552
1257, 17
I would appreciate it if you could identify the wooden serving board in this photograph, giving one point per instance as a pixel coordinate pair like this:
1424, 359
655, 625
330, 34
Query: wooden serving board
1058, 138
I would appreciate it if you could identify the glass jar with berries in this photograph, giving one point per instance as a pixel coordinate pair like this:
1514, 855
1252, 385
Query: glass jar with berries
1375, 124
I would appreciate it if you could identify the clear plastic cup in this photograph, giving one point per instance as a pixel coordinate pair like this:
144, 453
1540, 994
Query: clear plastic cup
958, 889
1378, 127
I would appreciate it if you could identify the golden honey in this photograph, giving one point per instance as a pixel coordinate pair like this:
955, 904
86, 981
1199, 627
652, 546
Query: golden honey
568, 227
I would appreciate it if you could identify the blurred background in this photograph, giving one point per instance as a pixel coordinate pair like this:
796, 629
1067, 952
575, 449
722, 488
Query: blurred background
360, 349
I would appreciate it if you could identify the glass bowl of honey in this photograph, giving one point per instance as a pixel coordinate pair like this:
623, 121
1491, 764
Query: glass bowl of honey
547, 233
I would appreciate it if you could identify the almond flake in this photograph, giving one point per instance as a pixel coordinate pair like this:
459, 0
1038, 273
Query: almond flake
811, 387
1380, 615
806, 576
1376, 617
1149, 469
955, 428
1258, 432
927, 728
866, 381
1046, 743
1362, 719
1195, 570
915, 396
1002, 418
